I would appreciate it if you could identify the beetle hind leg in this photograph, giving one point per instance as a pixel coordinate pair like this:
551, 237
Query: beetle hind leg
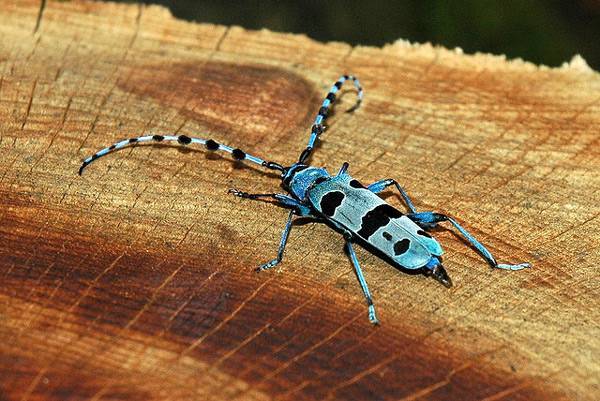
518, 266
429, 220
363, 283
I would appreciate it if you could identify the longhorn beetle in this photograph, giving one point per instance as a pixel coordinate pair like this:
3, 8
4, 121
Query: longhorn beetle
344, 204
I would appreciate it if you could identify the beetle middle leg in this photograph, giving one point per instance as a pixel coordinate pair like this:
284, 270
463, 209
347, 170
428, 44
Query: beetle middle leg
380, 185
429, 220
363, 283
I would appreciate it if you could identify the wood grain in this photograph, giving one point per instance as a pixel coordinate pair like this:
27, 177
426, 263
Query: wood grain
136, 280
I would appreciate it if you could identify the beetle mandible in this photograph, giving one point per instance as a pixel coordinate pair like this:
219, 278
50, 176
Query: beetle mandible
345, 204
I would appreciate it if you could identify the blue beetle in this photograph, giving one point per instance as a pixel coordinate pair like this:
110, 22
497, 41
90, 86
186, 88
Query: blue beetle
345, 204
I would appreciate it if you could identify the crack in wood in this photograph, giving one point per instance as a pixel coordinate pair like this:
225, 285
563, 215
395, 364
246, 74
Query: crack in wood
40, 15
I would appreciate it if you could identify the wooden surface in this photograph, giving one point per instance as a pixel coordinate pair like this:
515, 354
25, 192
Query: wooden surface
136, 282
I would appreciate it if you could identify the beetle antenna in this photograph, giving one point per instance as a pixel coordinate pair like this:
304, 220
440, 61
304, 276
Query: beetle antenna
318, 128
209, 144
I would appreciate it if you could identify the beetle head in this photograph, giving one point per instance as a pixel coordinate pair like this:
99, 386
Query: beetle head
299, 177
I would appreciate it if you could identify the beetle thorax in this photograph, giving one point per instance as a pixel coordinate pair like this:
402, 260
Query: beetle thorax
299, 178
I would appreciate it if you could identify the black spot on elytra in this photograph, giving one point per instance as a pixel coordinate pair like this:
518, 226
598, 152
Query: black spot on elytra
133, 140
319, 180
424, 233
401, 246
184, 139
158, 138
377, 218
389, 211
330, 201
111, 147
387, 236
211, 145
238, 154
356, 184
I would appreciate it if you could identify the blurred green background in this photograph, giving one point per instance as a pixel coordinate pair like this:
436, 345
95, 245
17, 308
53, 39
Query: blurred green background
548, 32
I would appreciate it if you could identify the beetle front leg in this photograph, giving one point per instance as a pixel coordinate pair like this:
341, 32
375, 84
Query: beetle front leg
281, 199
428, 220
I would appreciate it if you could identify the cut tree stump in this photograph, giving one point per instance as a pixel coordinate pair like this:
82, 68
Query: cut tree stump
136, 281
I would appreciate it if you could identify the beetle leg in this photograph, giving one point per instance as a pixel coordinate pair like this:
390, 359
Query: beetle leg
281, 199
282, 243
380, 185
429, 220
363, 284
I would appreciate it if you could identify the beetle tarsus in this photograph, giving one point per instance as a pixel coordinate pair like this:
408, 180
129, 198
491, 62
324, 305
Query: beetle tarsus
372, 316
519, 266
